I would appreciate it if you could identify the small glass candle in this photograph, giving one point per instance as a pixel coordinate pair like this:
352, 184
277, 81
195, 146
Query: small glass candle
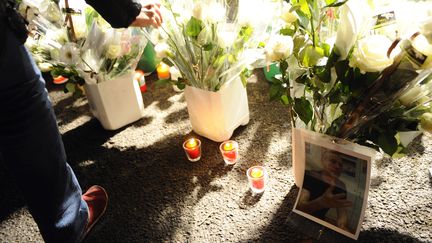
229, 151
192, 148
257, 177
139, 77
163, 71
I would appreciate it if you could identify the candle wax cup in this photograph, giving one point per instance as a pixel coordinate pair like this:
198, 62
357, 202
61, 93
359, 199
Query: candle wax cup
256, 173
229, 151
257, 177
258, 183
193, 149
230, 155
193, 153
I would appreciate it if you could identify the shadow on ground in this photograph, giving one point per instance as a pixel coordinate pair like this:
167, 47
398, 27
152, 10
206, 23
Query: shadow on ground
287, 226
147, 186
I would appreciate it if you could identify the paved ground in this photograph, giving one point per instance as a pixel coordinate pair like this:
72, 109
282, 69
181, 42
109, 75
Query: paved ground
156, 195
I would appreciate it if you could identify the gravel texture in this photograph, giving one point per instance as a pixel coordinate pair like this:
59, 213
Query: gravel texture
156, 195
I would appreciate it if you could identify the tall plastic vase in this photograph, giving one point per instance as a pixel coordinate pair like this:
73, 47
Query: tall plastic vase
215, 115
117, 102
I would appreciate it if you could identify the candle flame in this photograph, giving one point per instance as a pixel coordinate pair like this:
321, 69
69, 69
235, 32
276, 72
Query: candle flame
228, 146
191, 143
257, 172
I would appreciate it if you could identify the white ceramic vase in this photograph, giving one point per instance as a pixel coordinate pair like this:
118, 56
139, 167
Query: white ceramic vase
117, 102
215, 115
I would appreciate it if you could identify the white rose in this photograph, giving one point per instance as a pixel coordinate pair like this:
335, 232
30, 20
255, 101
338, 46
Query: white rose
162, 50
45, 67
286, 15
421, 44
175, 73
50, 11
409, 98
354, 14
197, 11
279, 47
248, 10
113, 51
426, 122
31, 43
80, 27
55, 54
426, 29
226, 38
204, 36
214, 12
69, 54
370, 54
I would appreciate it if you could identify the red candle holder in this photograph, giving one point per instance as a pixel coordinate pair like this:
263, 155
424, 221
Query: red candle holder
257, 177
229, 151
192, 147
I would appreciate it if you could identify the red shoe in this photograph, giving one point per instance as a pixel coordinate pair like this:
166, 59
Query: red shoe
97, 200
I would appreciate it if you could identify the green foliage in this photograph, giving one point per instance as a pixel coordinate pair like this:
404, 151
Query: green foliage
337, 97
303, 108
194, 27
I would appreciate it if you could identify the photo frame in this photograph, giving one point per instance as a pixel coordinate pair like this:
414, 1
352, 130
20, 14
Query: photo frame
333, 176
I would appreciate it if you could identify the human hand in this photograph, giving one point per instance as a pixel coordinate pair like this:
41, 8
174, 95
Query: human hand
330, 200
150, 15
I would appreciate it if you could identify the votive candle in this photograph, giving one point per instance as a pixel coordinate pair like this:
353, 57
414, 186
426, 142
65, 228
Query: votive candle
192, 147
229, 151
257, 177
163, 71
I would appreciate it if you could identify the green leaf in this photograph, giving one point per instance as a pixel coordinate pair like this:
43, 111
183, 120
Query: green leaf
328, 2
275, 90
193, 27
310, 56
302, 79
70, 87
181, 85
303, 19
326, 48
78, 93
304, 109
304, 8
322, 73
283, 66
336, 4
163, 82
284, 99
276, 81
287, 31
208, 47
90, 16
388, 143
343, 71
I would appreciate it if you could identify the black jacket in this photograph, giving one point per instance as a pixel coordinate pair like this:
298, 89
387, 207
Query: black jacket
119, 13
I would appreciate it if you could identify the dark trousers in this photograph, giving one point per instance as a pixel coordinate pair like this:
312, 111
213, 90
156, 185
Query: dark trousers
32, 148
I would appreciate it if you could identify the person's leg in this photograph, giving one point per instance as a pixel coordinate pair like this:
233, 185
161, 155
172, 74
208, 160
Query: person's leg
33, 150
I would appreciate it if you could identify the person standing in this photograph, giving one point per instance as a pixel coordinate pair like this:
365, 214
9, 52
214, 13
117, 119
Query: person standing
30, 142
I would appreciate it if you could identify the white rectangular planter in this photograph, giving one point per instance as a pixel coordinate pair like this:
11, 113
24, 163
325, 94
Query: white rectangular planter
215, 115
117, 102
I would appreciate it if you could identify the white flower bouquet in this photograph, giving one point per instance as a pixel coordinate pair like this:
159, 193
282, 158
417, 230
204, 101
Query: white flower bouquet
76, 45
342, 75
208, 42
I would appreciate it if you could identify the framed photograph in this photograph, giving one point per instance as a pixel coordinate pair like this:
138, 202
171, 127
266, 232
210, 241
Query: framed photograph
333, 176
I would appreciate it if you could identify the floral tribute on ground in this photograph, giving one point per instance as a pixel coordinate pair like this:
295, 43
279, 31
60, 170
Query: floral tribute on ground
346, 73
76, 45
208, 42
